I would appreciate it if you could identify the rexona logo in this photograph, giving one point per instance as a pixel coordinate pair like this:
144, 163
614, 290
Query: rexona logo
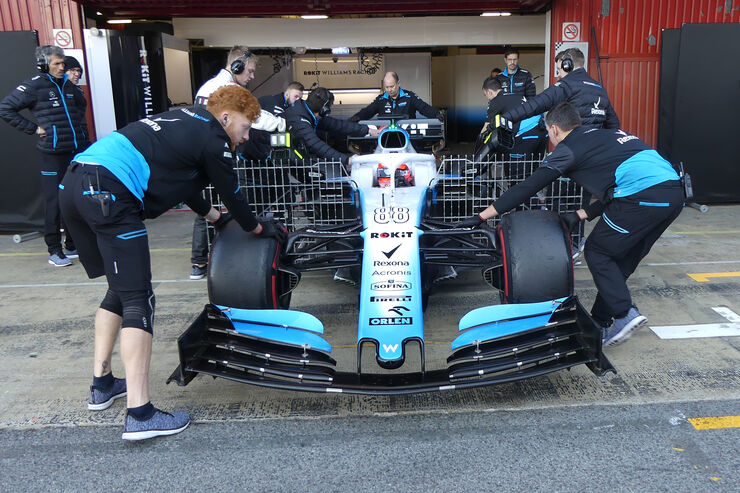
390, 286
394, 234
391, 272
384, 299
392, 321
390, 263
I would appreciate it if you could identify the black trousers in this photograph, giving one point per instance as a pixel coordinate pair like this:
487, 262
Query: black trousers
53, 167
199, 250
627, 230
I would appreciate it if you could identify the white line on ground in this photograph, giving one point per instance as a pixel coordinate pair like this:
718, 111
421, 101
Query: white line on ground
695, 263
702, 330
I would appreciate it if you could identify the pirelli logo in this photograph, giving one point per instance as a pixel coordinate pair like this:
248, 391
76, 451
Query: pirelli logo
394, 299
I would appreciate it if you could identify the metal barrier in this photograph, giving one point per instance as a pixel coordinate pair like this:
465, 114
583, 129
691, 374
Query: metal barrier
320, 193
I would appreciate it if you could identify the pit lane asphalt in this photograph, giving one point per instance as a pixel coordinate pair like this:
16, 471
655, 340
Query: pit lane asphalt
46, 355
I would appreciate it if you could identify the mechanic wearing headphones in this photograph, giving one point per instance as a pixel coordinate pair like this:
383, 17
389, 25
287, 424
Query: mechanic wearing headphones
53, 102
240, 68
577, 88
639, 195
258, 146
530, 138
514, 79
139, 172
396, 102
306, 117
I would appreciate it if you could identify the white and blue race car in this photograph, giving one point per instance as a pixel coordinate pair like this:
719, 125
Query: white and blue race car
378, 224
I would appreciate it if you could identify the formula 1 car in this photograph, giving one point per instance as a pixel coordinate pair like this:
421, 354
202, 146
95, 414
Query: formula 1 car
378, 222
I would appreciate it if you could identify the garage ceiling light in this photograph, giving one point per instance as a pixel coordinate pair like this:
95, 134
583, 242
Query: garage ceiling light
120, 21
495, 14
314, 17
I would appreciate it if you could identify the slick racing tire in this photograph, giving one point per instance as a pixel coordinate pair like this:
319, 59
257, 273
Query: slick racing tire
242, 271
536, 254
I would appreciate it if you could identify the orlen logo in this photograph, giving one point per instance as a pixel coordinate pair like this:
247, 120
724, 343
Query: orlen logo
394, 234
390, 286
392, 321
390, 263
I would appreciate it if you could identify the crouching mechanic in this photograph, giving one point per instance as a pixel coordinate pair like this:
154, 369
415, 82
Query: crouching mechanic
139, 172
639, 197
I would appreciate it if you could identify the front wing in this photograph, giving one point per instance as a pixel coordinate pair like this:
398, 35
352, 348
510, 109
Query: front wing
503, 345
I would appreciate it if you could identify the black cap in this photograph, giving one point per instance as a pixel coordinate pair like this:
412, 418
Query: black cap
71, 62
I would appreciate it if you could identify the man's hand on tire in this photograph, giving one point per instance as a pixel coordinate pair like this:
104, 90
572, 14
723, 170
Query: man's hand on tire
571, 220
271, 228
473, 222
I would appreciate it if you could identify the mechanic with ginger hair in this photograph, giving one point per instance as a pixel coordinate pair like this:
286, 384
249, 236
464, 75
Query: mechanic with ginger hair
136, 173
639, 196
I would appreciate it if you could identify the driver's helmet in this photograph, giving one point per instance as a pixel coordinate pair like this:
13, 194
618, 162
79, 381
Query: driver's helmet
383, 176
404, 176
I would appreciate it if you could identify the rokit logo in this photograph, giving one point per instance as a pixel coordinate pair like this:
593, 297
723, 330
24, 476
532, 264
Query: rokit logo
394, 234
392, 299
391, 272
391, 321
390, 263
390, 286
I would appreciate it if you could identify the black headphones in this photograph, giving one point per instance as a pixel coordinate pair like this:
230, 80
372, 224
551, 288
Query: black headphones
238, 65
566, 63
42, 64
325, 108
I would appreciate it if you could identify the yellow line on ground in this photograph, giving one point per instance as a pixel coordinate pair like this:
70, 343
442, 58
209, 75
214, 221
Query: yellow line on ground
35, 254
705, 276
715, 422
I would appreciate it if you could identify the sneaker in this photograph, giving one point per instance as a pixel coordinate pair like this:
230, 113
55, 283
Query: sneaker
71, 253
103, 399
344, 274
159, 424
444, 272
198, 272
622, 328
59, 260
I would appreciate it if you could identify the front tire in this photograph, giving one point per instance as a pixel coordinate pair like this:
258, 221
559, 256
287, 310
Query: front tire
242, 271
537, 261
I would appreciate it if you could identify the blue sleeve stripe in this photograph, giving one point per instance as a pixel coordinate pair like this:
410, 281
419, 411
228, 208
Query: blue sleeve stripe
61, 187
132, 234
49, 173
655, 204
614, 226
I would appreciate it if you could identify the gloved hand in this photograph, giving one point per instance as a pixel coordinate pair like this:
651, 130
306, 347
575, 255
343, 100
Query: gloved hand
571, 220
271, 228
473, 222
224, 218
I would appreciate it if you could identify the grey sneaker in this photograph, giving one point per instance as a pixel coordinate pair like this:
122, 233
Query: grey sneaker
103, 399
444, 272
59, 260
622, 328
344, 274
159, 424
71, 253
198, 272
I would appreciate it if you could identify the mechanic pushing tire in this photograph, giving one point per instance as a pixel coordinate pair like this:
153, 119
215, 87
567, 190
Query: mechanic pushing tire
536, 251
242, 271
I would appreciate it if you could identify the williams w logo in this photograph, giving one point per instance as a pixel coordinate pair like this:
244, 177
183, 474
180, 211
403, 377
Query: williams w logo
390, 348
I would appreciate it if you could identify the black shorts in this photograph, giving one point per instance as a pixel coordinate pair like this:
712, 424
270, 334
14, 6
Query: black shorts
116, 245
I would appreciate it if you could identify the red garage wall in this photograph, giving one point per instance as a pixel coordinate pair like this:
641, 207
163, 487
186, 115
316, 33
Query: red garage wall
44, 16
628, 38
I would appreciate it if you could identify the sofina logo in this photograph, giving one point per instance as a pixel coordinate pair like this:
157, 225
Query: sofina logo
390, 286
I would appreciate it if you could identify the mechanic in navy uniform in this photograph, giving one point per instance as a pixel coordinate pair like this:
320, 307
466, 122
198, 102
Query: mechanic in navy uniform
587, 95
530, 135
514, 79
137, 173
258, 147
639, 195
307, 117
396, 102
53, 101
